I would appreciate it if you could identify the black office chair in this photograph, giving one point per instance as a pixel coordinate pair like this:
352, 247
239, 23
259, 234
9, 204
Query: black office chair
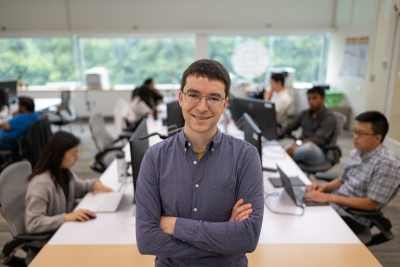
13, 186
378, 220
30, 145
104, 142
333, 153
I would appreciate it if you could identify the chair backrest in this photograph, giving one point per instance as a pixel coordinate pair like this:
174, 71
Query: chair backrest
65, 98
383, 207
100, 135
35, 139
340, 121
13, 186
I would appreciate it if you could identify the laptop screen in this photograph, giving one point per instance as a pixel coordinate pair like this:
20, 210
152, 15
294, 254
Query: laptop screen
287, 184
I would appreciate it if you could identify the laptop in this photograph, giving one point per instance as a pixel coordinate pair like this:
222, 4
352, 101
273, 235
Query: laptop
296, 192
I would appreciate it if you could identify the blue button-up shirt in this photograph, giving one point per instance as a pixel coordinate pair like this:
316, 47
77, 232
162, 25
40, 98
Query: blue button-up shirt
375, 175
201, 193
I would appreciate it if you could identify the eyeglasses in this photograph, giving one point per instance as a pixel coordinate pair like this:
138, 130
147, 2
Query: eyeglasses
195, 98
360, 134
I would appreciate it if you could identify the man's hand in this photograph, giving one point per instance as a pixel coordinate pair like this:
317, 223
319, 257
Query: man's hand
315, 187
240, 212
167, 224
317, 196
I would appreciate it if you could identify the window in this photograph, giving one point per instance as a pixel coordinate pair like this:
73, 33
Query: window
304, 53
132, 60
37, 61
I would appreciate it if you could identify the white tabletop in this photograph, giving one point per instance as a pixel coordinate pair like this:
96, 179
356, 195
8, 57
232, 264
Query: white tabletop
318, 225
43, 103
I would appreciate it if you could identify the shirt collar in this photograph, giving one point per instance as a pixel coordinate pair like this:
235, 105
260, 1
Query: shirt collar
321, 111
371, 153
182, 140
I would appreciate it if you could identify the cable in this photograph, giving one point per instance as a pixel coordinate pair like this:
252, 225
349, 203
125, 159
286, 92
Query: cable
275, 194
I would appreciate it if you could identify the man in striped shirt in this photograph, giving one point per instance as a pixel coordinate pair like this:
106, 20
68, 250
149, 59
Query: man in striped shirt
370, 177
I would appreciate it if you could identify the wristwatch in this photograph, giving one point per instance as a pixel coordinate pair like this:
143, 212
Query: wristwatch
299, 142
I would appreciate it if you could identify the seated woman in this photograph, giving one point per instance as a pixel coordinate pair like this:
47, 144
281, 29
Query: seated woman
53, 187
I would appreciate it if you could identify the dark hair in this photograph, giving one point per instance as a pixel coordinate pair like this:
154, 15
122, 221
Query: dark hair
148, 81
316, 90
210, 69
51, 157
278, 77
380, 125
27, 102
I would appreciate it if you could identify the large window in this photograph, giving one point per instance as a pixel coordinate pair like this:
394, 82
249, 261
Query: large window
37, 61
304, 53
131, 61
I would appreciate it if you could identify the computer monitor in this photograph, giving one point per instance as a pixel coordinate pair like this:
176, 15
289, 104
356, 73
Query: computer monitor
4, 97
252, 134
235, 111
12, 90
174, 115
261, 111
138, 149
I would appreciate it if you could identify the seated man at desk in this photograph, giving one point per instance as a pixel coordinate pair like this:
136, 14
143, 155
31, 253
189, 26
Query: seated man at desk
279, 95
17, 126
199, 197
318, 127
148, 93
370, 177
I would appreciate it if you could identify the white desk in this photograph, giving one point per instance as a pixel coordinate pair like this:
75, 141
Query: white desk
44, 103
321, 230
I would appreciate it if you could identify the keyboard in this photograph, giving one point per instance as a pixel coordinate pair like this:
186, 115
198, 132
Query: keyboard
104, 202
299, 192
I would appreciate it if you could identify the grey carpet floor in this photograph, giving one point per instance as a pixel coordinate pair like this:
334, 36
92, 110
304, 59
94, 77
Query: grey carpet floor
388, 254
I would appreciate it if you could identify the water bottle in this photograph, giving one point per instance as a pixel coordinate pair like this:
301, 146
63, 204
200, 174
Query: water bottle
121, 166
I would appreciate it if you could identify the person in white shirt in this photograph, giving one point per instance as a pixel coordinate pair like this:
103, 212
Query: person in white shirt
278, 95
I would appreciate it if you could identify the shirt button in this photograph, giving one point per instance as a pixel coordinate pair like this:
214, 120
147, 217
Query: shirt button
209, 250
185, 149
195, 162
197, 185
212, 149
183, 240
195, 209
188, 144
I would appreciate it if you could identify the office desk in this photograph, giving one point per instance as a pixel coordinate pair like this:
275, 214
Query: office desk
44, 103
318, 238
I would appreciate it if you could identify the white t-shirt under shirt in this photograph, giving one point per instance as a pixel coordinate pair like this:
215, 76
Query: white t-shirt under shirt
282, 102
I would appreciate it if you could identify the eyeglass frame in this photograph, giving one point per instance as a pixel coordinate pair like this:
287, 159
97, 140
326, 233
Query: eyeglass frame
201, 97
361, 135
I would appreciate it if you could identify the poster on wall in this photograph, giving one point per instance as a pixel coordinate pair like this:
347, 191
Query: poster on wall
355, 58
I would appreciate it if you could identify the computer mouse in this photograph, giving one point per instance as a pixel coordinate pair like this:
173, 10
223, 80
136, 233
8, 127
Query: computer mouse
90, 217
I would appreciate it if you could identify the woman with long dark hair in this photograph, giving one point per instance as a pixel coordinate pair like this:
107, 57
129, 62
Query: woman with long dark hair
53, 186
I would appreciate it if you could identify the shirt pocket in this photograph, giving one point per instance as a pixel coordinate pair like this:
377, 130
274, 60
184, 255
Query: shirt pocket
222, 199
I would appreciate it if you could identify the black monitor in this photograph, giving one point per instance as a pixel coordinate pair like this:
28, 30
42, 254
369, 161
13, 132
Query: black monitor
174, 115
261, 111
4, 97
12, 90
235, 112
138, 149
252, 134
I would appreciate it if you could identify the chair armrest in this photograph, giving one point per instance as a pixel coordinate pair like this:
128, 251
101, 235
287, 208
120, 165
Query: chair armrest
34, 237
326, 176
107, 149
124, 135
364, 213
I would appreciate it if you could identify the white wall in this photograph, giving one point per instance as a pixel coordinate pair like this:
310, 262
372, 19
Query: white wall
144, 16
355, 18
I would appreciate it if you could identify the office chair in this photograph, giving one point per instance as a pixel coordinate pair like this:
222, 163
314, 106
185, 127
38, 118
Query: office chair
378, 220
35, 139
13, 186
332, 152
30, 145
65, 113
104, 142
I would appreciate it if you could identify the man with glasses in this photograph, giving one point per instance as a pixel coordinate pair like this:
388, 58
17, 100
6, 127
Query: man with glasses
199, 197
370, 177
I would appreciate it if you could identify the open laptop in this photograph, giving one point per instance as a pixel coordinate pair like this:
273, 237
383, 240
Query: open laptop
296, 192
